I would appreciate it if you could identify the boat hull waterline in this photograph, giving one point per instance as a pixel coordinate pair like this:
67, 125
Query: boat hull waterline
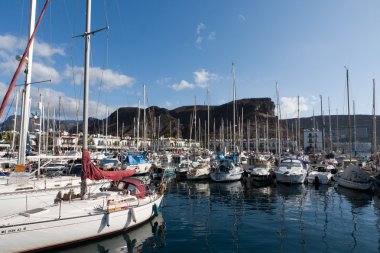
22, 237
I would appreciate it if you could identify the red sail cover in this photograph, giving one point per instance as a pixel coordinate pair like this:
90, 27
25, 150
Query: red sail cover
90, 171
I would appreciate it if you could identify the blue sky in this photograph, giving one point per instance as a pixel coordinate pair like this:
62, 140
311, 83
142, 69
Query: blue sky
179, 49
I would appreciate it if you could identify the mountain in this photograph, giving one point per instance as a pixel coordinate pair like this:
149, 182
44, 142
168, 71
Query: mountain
167, 121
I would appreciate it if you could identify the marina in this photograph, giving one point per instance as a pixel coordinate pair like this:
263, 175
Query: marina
86, 171
232, 217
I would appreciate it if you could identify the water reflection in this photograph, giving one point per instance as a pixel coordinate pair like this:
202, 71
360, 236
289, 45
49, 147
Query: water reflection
356, 198
204, 216
149, 235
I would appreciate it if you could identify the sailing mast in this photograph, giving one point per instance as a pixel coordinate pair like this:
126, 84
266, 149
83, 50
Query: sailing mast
299, 124
323, 127
355, 137
278, 123
87, 39
144, 123
208, 120
234, 106
14, 124
138, 126
348, 112
374, 147
330, 133
28, 78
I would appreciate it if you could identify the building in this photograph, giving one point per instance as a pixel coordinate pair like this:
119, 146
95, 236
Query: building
312, 141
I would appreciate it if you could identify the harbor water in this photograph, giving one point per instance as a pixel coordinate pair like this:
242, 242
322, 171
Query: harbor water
242, 217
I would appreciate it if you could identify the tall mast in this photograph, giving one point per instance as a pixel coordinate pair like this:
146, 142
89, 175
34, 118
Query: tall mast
208, 119
299, 123
330, 132
39, 135
322, 126
355, 137
256, 135
195, 119
177, 129
374, 147
267, 139
138, 126
117, 122
59, 121
14, 124
107, 112
234, 107
348, 112
47, 129
278, 122
28, 78
248, 135
214, 137
144, 123
87, 39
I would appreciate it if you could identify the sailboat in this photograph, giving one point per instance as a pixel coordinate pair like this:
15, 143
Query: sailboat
227, 169
353, 176
21, 190
126, 203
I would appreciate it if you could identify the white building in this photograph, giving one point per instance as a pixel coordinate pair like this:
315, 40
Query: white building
312, 140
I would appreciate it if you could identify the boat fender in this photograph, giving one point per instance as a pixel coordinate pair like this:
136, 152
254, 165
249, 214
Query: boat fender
156, 210
132, 213
161, 189
108, 219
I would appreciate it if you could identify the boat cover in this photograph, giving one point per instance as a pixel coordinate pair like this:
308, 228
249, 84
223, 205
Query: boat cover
355, 174
90, 171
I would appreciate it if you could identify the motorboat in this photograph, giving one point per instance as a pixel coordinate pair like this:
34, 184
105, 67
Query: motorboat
292, 171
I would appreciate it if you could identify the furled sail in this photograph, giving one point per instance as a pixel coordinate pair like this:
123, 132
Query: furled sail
90, 171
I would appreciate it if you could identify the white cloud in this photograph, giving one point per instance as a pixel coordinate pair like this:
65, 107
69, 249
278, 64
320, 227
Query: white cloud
211, 36
9, 43
107, 79
202, 35
164, 80
42, 68
289, 106
43, 49
69, 105
40, 72
13, 44
200, 27
43, 72
182, 85
202, 77
167, 104
199, 40
242, 17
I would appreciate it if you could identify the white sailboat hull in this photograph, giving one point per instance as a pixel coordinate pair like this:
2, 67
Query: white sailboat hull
354, 177
30, 234
354, 185
16, 198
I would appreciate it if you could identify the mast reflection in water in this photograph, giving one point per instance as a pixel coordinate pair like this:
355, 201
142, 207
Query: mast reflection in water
245, 217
